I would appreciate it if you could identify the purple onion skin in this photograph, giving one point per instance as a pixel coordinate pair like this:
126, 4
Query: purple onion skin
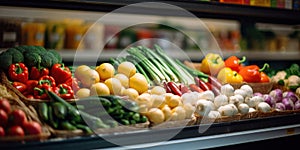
276, 94
291, 95
269, 99
297, 105
288, 103
280, 106
257, 94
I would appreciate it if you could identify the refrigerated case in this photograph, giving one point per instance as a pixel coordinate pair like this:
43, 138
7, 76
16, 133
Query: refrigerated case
218, 135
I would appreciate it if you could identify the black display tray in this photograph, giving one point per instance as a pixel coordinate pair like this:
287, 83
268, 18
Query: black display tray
156, 135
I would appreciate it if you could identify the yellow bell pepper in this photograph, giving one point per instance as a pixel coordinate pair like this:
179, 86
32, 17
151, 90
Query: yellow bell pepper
227, 75
212, 64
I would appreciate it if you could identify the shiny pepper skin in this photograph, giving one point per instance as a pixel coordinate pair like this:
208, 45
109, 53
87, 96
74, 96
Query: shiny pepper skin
18, 72
212, 64
227, 75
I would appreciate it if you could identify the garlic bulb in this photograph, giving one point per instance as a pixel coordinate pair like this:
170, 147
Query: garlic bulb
203, 107
248, 89
243, 108
227, 90
220, 100
263, 107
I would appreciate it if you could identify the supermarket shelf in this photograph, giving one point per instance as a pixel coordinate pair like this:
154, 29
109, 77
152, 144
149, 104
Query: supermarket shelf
200, 9
194, 55
189, 137
220, 140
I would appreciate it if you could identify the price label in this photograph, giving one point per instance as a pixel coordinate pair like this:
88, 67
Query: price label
290, 131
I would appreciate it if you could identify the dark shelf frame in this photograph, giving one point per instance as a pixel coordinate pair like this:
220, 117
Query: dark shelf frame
200, 9
96, 142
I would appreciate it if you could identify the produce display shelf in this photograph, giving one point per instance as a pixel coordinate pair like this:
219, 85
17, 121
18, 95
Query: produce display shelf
200, 9
217, 135
195, 55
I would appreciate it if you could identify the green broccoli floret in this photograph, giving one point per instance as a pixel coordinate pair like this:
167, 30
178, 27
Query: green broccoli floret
32, 59
35, 49
56, 54
41, 49
17, 56
22, 48
5, 60
48, 59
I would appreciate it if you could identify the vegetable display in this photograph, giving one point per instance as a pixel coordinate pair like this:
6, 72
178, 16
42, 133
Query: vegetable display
146, 86
33, 69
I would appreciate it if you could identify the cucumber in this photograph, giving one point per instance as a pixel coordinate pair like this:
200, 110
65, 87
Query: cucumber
143, 119
136, 117
67, 125
84, 128
94, 101
73, 113
77, 114
59, 110
52, 120
125, 122
43, 111
111, 123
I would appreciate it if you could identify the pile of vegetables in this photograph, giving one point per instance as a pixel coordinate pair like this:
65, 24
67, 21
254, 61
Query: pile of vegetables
234, 71
14, 122
33, 70
283, 100
288, 78
230, 102
89, 113
157, 67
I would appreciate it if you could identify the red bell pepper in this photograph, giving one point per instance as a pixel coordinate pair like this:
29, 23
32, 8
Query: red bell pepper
31, 84
65, 91
40, 92
252, 73
19, 86
29, 96
234, 63
74, 83
60, 73
18, 72
47, 80
37, 73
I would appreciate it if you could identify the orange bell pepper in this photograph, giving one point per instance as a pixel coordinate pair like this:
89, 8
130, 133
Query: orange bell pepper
234, 62
252, 73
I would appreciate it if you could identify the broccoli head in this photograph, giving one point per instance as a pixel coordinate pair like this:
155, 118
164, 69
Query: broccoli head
48, 59
56, 54
32, 59
17, 56
5, 60
35, 49
22, 48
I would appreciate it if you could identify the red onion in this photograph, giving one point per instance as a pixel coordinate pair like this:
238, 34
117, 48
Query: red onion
279, 106
297, 105
276, 94
288, 103
291, 95
269, 99
257, 94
